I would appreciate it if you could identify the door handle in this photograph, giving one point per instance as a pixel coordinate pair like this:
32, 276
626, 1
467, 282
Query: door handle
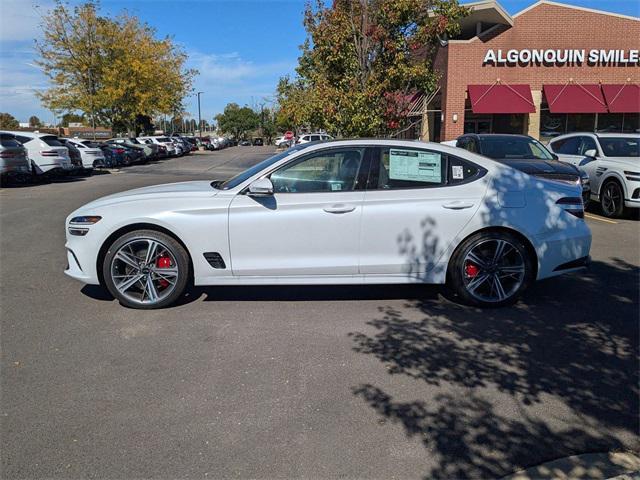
457, 205
339, 208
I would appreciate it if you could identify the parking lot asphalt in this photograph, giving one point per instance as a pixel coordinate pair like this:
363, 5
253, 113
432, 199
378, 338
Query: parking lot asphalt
320, 382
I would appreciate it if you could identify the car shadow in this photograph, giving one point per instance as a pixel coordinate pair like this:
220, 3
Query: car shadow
571, 339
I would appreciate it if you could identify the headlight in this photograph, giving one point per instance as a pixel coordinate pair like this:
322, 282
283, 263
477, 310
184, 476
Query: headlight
85, 220
76, 223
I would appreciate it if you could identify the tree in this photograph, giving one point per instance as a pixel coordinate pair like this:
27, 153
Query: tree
8, 121
68, 118
362, 62
34, 121
112, 69
237, 120
268, 124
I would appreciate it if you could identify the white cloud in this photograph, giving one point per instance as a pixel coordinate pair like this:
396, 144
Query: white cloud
20, 20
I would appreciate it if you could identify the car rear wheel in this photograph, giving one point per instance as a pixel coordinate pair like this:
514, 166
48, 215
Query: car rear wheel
612, 199
490, 269
146, 269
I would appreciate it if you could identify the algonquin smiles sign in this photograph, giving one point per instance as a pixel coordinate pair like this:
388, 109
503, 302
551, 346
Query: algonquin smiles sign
559, 57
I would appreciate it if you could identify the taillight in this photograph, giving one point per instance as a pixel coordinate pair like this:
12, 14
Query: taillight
119, 150
49, 153
7, 154
572, 205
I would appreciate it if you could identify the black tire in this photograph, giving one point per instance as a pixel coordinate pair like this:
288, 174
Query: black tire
458, 278
176, 251
612, 199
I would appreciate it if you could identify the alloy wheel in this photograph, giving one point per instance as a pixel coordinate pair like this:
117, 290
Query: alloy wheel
493, 270
611, 199
144, 271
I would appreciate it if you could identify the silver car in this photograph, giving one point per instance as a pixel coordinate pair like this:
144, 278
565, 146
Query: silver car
13, 158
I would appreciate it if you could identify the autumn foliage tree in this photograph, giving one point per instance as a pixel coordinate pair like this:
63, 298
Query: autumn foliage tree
362, 61
111, 69
237, 120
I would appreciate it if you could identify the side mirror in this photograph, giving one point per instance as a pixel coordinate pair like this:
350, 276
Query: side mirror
261, 188
592, 153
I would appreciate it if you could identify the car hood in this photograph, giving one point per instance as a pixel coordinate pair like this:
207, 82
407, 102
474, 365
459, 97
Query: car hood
540, 167
164, 191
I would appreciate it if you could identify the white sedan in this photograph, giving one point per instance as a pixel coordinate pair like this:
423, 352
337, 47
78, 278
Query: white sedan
341, 212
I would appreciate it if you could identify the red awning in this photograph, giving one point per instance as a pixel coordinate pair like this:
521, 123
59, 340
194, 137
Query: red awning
501, 98
622, 98
575, 98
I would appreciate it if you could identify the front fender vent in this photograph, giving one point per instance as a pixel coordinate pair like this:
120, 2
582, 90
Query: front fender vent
215, 260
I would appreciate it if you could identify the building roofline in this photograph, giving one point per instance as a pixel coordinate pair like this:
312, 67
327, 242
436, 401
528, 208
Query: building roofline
574, 7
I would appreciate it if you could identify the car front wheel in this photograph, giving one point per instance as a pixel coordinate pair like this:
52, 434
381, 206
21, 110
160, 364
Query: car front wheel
612, 199
490, 269
146, 269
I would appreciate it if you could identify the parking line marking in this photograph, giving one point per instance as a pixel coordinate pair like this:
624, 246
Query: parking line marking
595, 217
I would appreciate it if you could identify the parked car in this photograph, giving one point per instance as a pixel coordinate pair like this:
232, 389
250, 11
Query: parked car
90, 154
47, 155
612, 161
166, 141
526, 154
115, 155
258, 142
14, 164
313, 137
135, 153
245, 143
151, 150
346, 212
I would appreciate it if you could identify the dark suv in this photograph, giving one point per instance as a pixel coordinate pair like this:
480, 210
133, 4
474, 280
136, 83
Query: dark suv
526, 154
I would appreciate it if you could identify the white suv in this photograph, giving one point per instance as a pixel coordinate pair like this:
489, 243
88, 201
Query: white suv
90, 155
313, 137
612, 161
172, 151
46, 152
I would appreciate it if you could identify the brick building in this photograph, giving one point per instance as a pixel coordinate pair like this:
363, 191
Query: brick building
547, 70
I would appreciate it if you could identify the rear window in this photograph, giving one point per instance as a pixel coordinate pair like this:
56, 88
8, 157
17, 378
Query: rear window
164, 139
52, 141
9, 140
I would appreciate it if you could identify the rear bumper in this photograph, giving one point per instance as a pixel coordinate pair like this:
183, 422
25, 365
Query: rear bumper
565, 251
14, 169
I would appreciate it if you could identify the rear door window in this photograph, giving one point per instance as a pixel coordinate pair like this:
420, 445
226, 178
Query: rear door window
399, 167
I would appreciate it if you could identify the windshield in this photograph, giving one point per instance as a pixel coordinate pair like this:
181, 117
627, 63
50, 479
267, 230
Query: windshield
620, 146
511, 148
241, 177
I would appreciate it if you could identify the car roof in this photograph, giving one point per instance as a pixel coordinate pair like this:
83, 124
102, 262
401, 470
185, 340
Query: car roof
30, 134
597, 135
495, 135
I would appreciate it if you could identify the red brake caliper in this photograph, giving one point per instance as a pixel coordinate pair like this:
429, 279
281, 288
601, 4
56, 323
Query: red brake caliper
163, 262
471, 270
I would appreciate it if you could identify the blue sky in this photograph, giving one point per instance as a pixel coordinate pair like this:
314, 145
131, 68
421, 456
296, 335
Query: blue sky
240, 47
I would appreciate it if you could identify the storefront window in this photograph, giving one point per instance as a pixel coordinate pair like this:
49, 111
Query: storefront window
631, 123
609, 122
581, 122
552, 124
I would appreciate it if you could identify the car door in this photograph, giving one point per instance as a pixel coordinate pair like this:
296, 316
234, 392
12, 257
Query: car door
310, 225
416, 203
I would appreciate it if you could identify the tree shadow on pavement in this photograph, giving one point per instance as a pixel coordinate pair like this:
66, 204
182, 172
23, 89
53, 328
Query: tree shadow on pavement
573, 339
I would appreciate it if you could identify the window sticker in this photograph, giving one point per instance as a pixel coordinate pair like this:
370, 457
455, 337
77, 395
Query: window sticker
414, 165
457, 172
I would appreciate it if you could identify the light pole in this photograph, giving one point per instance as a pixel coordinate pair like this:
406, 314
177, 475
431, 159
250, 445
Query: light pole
199, 118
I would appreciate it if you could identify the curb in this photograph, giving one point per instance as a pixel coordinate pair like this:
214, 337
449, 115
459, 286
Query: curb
590, 466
